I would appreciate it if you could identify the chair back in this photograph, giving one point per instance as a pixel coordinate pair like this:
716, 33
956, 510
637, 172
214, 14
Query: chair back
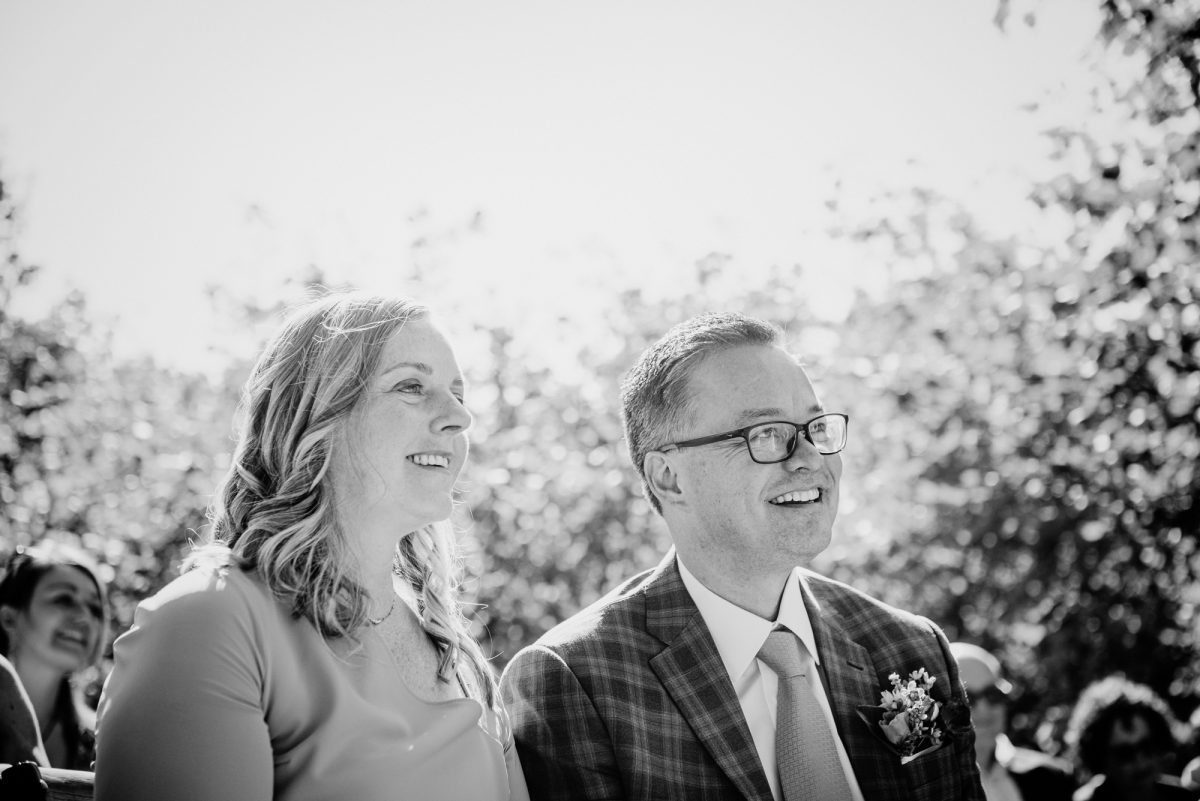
25, 781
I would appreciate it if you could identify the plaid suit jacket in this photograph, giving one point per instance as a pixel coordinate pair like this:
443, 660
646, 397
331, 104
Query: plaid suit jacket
629, 699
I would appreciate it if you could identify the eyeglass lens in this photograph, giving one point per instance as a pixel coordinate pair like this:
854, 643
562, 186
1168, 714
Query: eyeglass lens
774, 442
992, 695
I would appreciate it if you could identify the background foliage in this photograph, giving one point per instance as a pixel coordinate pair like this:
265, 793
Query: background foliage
1024, 411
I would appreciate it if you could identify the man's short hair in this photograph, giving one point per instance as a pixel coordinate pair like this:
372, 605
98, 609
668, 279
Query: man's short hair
656, 400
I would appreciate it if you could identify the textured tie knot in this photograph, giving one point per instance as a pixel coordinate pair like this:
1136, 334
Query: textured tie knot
783, 653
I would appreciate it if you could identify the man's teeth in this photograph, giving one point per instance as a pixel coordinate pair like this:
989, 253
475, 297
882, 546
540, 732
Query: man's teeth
802, 496
430, 460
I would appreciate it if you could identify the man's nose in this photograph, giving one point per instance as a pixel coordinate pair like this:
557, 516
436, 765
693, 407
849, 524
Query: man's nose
804, 455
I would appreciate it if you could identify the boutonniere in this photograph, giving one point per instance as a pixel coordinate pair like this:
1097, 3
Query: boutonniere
908, 717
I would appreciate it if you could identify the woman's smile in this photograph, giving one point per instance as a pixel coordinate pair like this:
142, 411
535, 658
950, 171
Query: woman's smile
434, 460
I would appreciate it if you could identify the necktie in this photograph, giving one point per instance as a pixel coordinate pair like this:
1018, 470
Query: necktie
808, 762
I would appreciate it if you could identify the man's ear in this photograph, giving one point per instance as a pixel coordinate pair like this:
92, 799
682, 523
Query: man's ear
662, 478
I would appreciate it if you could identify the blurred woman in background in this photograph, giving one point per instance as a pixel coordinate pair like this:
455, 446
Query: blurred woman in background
1121, 734
53, 619
315, 647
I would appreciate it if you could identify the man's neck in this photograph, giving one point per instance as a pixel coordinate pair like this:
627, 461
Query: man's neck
986, 754
759, 595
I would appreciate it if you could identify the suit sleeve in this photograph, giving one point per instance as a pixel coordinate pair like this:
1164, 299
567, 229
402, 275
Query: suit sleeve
181, 715
968, 766
565, 748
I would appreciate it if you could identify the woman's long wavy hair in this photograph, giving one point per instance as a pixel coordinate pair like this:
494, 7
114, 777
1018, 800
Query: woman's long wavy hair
275, 511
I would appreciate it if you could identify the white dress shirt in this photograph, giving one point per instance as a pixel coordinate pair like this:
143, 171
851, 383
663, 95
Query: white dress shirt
739, 635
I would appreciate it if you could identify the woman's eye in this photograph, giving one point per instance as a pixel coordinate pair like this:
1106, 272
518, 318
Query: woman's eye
410, 387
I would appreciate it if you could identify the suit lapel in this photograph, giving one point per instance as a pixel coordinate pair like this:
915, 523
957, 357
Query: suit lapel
692, 672
848, 674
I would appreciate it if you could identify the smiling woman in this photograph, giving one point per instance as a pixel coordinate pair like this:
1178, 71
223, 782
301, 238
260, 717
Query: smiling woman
52, 623
315, 646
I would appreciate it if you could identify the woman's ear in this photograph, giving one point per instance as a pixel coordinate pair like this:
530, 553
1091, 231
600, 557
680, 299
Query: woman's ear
8, 620
662, 478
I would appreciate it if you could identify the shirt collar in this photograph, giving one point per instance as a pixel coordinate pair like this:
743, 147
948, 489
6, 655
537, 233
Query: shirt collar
1004, 751
739, 634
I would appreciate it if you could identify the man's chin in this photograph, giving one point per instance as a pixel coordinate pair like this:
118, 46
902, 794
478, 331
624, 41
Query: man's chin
812, 544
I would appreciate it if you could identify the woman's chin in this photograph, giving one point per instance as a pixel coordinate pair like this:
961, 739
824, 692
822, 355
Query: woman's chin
67, 662
426, 521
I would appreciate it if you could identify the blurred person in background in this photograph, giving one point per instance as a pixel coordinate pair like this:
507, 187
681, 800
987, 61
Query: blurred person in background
1189, 776
315, 646
1120, 734
53, 624
1009, 773
730, 671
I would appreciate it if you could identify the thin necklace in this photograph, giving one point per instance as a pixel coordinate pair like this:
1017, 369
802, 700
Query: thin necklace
375, 621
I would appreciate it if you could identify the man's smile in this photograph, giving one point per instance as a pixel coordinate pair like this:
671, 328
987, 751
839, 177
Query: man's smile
797, 497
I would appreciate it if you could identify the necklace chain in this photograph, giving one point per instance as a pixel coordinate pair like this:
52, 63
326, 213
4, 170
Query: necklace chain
375, 621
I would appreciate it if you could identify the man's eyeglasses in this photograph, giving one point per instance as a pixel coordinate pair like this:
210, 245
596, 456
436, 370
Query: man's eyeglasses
993, 695
776, 441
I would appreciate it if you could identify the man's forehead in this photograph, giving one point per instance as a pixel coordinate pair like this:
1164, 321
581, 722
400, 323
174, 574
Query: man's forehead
740, 357
756, 414
741, 386
752, 371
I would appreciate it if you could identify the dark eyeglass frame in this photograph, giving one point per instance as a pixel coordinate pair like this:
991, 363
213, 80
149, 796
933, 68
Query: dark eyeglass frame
993, 695
744, 435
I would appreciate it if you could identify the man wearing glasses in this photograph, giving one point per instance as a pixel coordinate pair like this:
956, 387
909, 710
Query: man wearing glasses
730, 671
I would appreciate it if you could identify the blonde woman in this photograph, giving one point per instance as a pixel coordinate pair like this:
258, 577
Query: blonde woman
315, 648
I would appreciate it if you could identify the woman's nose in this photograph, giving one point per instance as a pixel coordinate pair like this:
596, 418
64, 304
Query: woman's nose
80, 611
453, 416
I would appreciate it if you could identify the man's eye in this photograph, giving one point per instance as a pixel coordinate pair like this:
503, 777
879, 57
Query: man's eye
767, 434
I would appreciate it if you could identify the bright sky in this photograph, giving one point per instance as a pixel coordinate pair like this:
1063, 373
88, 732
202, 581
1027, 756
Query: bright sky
156, 148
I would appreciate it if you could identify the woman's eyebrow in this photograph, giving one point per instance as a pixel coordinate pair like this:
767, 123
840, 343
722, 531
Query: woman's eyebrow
66, 585
420, 367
